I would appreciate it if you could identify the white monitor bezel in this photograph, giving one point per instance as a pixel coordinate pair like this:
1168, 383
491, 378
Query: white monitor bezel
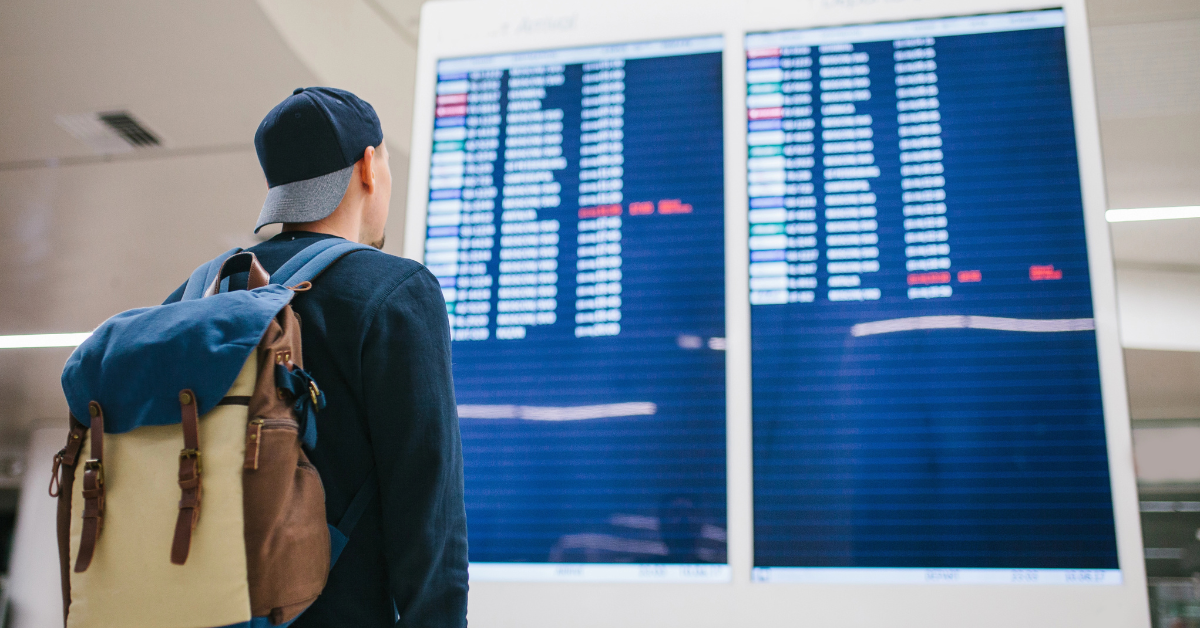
463, 28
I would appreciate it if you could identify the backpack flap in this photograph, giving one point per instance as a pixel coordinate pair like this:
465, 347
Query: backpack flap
137, 362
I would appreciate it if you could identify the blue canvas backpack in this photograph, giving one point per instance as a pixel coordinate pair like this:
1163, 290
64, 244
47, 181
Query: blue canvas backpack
186, 499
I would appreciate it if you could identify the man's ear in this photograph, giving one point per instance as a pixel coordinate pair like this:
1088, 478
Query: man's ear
366, 169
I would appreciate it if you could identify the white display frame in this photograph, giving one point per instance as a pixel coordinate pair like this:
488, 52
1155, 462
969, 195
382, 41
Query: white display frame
463, 28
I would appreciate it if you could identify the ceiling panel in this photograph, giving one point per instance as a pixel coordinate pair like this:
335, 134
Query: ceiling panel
197, 73
1152, 162
1147, 69
1105, 12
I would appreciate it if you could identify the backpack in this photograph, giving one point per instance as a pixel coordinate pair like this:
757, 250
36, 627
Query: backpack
195, 505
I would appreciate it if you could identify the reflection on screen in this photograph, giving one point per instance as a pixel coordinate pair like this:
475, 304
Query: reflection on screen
576, 223
926, 390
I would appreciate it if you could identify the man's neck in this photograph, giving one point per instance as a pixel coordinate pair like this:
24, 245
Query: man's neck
323, 227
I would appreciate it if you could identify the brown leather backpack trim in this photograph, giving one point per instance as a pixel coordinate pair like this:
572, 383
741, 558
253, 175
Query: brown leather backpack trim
93, 492
67, 456
287, 536
258, 277
65, 462
189, 478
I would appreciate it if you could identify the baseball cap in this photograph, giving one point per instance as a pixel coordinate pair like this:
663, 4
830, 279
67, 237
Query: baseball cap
307, 147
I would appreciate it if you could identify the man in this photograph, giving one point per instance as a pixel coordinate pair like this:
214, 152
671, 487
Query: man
377, 342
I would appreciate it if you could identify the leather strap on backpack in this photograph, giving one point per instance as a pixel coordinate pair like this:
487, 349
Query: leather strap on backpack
244, 262
67, 457
189, 479
93, 492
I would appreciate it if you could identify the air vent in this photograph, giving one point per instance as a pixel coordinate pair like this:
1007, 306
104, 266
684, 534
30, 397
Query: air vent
109, 132
128, 128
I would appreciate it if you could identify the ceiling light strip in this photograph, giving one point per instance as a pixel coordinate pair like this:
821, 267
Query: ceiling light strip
38, 341
1152, 213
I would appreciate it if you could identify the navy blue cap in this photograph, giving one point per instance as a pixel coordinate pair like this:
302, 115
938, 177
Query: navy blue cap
307, 147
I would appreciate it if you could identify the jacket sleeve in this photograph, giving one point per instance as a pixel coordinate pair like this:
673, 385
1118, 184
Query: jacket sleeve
413, 423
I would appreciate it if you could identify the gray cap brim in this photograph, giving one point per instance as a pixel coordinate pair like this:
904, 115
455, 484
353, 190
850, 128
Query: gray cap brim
305, 201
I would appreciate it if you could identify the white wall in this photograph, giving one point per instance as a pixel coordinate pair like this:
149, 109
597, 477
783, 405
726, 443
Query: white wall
1159, 309
1167, 454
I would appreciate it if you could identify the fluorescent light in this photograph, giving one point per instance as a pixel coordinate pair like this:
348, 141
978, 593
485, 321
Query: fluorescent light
1151, 213
37, 341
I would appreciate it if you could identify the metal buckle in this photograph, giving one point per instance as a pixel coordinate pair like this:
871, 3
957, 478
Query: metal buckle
95, 465
314, 392
191, 453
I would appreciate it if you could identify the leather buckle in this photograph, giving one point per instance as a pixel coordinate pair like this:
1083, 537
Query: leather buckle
184, 454
95, 465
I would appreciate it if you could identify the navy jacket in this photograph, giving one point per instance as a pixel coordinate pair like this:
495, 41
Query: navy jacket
377, 341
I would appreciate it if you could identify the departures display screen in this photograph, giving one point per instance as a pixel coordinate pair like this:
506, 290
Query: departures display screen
576, 224
926, 390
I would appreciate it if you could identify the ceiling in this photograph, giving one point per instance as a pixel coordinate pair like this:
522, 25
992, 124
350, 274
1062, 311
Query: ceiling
83, 236
200, 74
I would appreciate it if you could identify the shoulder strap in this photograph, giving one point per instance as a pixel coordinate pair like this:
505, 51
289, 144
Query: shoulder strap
339, 535
304, 266
366, 493
313, 260
203, 276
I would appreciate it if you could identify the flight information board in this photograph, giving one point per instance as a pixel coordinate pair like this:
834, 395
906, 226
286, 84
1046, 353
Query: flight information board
576, 224
926, 391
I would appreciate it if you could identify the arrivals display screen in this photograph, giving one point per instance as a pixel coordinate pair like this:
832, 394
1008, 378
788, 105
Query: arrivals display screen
769, 311
576, 224
926, 388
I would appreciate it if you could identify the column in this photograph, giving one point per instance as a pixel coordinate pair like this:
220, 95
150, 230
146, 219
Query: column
462, 196
925, 234
35, 587
527, 295
601, 171
848, 166
783, 244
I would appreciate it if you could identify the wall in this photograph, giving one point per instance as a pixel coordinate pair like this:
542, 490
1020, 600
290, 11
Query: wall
36, 596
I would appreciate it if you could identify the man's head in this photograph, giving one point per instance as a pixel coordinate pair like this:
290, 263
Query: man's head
322, 152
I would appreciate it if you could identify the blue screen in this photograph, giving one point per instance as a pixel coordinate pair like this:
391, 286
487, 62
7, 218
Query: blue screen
576, 223
926, 392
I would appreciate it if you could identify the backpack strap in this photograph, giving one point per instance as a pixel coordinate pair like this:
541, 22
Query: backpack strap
300, 270
306, 266
339, 535
204, 275
190, 484
313, 260
93, 491
243, 262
